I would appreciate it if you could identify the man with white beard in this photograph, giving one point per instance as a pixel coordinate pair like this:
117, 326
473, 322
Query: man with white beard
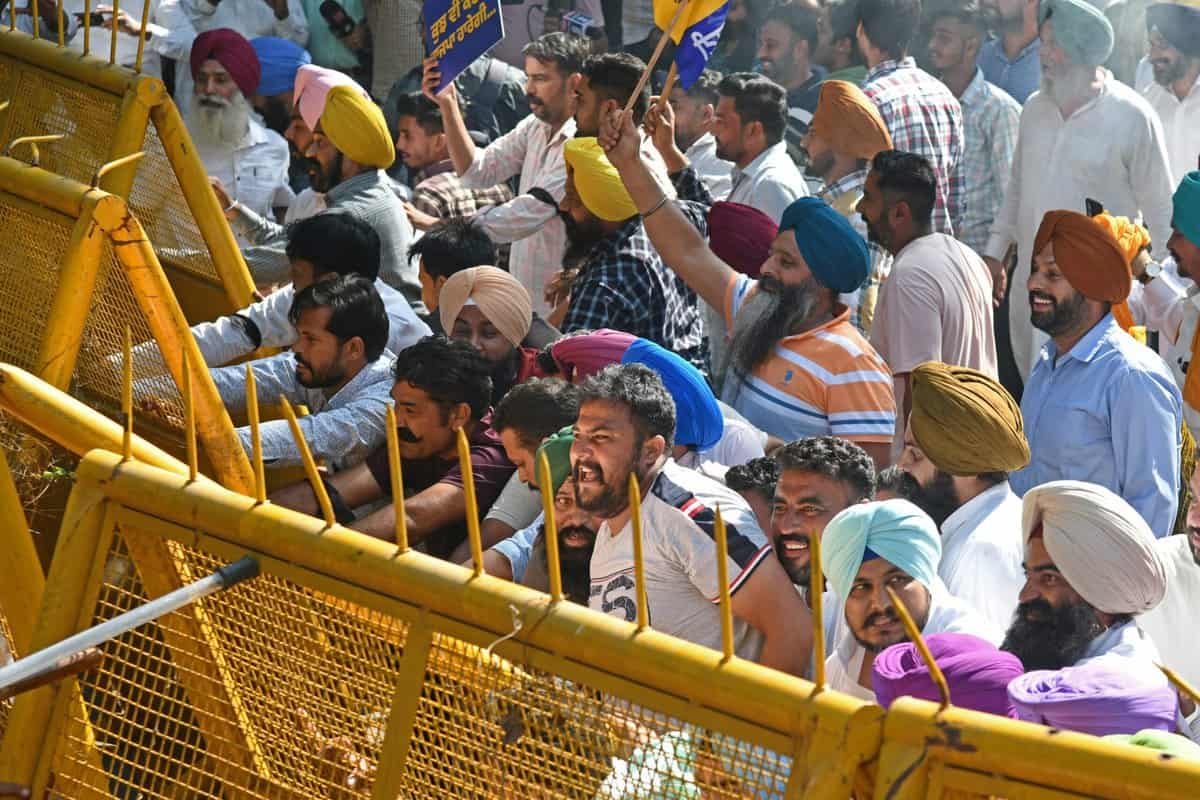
250, 160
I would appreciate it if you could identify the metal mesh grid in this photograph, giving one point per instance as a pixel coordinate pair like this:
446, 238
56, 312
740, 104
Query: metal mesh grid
8, 653
270, 691
33, 245
487, 728
98, 372
45, 103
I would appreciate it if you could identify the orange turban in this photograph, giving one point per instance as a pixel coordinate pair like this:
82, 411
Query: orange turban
848, 120
1087, 254
1131, 238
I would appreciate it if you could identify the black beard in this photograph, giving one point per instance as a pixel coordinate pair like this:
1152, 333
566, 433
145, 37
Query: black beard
800, 576
890, 615
1062, 318
575, 563
769, 316
938, 499
1056, 638
276, 116
504, 374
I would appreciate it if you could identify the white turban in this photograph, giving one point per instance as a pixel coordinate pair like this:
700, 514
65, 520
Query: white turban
1103, 548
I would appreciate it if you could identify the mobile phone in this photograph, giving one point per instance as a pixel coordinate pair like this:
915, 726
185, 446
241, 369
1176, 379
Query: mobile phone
1093, 207
94, 20
336, 17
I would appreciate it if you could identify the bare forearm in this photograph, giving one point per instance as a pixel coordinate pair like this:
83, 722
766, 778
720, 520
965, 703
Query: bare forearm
787, 651
458, 140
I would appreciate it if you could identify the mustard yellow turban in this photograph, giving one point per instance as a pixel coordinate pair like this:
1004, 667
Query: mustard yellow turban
1130, 236
849, 121
596, 180
1087, 255
357, 128
500, 296
965, 422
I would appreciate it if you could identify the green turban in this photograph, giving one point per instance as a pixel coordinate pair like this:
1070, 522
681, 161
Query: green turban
1081, 29
557, 448
1170, 743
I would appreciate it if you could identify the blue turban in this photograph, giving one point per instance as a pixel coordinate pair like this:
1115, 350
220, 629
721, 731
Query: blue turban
1081, 30
280, 59
894, 530
1185, 216
698, 419
835, 252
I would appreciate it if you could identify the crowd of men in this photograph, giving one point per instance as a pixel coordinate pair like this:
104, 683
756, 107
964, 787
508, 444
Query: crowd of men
915, 280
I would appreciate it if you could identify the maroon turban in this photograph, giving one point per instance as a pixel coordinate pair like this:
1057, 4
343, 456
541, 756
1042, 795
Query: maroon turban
234, 53
741, 236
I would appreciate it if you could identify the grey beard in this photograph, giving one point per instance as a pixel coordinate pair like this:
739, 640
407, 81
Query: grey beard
1066, 90
764, 319
225, 126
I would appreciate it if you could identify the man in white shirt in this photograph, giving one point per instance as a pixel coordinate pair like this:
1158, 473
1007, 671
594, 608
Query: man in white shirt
752, 116
339, 368
695, 115
626, 425
963, 438
867, 549
532, 151
1174, 34
248, 159
1060, 162
936, 304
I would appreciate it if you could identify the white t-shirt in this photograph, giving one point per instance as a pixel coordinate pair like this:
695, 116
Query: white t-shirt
680, 560
1171, 624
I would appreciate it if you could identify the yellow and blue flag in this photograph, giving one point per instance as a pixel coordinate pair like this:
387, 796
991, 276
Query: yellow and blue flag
695, 33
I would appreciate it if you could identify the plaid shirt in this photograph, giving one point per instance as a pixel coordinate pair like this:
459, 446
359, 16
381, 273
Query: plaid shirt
440, 193
843, 196
923, 117
624, 284
991, 119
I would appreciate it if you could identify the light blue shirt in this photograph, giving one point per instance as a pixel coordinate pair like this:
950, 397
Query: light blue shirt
1108, 412
1019, 77
519, 547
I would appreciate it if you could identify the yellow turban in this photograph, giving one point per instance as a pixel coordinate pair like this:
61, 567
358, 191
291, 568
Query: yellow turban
357, 128
965, 422
500, 296
849, 121
597, 181
1131, 238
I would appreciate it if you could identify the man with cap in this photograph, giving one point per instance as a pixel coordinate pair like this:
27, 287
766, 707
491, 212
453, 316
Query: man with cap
236, 149
1174, 35
964, 436
623, 281
1098, 406
1091, 567
936, 304
797, 367
867, 549
1060, 162
845, 135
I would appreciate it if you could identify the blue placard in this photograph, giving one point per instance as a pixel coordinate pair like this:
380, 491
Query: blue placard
459, 31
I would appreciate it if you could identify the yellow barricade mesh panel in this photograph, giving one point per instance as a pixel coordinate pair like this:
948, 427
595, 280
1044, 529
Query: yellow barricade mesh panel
34, 245
44, 103
98, 372
158, 202
267, 690
7, 653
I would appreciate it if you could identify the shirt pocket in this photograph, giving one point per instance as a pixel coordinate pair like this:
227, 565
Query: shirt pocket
1071, 425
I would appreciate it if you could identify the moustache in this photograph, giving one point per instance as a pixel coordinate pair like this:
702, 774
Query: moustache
1042, 296
534, 100
770, 284
576, 530
784, 538
1038, 610
590, 465
405, 435
214, 102
887, 615
300, 362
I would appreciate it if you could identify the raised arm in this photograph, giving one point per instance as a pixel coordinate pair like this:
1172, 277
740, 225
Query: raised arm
678, 242
458, 140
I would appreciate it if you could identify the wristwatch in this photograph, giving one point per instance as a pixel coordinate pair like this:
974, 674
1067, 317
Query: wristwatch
1153, 270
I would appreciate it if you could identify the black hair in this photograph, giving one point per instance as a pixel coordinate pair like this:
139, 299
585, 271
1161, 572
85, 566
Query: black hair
614, 76
424, 110
758, 99
640, 389
836, 459
801, 19
705, 87
843, 20
335, 242
898, 482
890, 25
908, 177
355, 310
965, 11
449, 371
564, 51
537, 408
757, 475
453, 245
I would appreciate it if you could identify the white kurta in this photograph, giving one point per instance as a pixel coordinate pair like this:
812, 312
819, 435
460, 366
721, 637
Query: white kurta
1111, 150
982, 553
1172, 624
1134, 649
1181, 125
1174, 312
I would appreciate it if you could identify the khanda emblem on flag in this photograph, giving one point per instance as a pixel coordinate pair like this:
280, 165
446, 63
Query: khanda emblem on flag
696, 32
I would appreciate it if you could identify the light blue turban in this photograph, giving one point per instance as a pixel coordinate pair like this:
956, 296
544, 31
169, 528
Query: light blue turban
698, 419
279, 59
835, 252
894, 530
1185, 216
1081, 30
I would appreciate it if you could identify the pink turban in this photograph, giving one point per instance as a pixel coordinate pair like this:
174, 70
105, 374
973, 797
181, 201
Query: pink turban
977, 672
312, 88
234, 53
1101, 697
581, 356
741, 236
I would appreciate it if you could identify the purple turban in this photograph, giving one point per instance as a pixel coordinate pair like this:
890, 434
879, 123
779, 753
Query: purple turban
1100, 697
582, 356
978, 673
740, 235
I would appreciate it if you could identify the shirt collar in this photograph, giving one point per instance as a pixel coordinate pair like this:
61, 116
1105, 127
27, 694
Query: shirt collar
889, 66
567, 131
378, 370
702, 146
830, 192
435, 169
976, 90
353, 185
964, 514
1090, 345
997, 44
760, 161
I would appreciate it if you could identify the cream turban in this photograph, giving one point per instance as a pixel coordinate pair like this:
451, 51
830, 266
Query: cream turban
500, 296
1103, 548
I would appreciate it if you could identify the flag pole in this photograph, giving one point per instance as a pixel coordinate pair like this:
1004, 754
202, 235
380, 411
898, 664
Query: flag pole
672, 76
658, 50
